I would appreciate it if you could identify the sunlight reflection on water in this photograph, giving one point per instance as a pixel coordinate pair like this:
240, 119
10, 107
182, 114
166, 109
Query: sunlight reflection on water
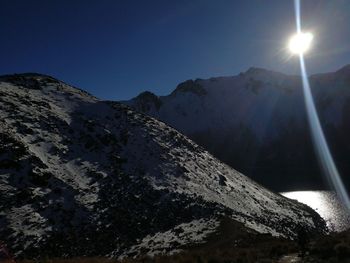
327, 205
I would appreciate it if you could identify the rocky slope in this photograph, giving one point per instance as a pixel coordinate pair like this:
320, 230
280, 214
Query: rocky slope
85, 177
256, 122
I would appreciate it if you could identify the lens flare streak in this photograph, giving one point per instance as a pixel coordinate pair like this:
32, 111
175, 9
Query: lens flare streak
319, 140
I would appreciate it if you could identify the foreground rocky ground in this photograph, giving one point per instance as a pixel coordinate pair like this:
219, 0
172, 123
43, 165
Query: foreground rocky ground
233, 244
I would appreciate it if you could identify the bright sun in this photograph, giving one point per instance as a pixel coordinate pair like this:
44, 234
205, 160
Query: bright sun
300, 43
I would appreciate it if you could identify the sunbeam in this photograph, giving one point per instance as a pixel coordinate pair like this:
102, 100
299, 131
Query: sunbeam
323, 153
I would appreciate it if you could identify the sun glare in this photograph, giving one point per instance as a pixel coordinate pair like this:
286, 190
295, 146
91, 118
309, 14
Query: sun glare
300, 43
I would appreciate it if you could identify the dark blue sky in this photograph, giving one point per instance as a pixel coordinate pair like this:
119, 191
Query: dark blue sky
116, 49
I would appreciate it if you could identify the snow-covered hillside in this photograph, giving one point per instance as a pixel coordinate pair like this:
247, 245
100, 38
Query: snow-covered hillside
80, 176
256, 122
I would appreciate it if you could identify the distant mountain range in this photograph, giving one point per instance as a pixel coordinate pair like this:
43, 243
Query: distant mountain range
85, 177
256, 122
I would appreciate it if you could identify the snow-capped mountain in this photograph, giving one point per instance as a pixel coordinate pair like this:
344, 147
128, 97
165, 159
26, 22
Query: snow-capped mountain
85, 177
256, 122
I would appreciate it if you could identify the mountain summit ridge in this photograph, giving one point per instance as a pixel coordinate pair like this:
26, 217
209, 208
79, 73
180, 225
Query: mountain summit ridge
256, 122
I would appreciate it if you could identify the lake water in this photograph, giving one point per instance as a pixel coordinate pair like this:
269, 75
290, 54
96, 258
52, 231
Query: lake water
327, 205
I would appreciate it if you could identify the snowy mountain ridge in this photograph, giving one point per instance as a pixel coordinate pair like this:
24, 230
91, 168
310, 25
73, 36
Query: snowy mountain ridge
84, 177
256, 122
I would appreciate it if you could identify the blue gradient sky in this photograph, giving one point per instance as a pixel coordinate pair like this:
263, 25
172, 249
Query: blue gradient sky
116, 49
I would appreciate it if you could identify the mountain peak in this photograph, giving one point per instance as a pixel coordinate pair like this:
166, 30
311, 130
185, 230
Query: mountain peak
255, 70
190, 86
262, 71
344, 70
37, 81
147, 101
146, 94
27, 75
34, 81
264, 75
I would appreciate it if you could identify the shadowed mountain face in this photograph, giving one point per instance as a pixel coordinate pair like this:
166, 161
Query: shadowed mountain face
256, 122
85, 177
